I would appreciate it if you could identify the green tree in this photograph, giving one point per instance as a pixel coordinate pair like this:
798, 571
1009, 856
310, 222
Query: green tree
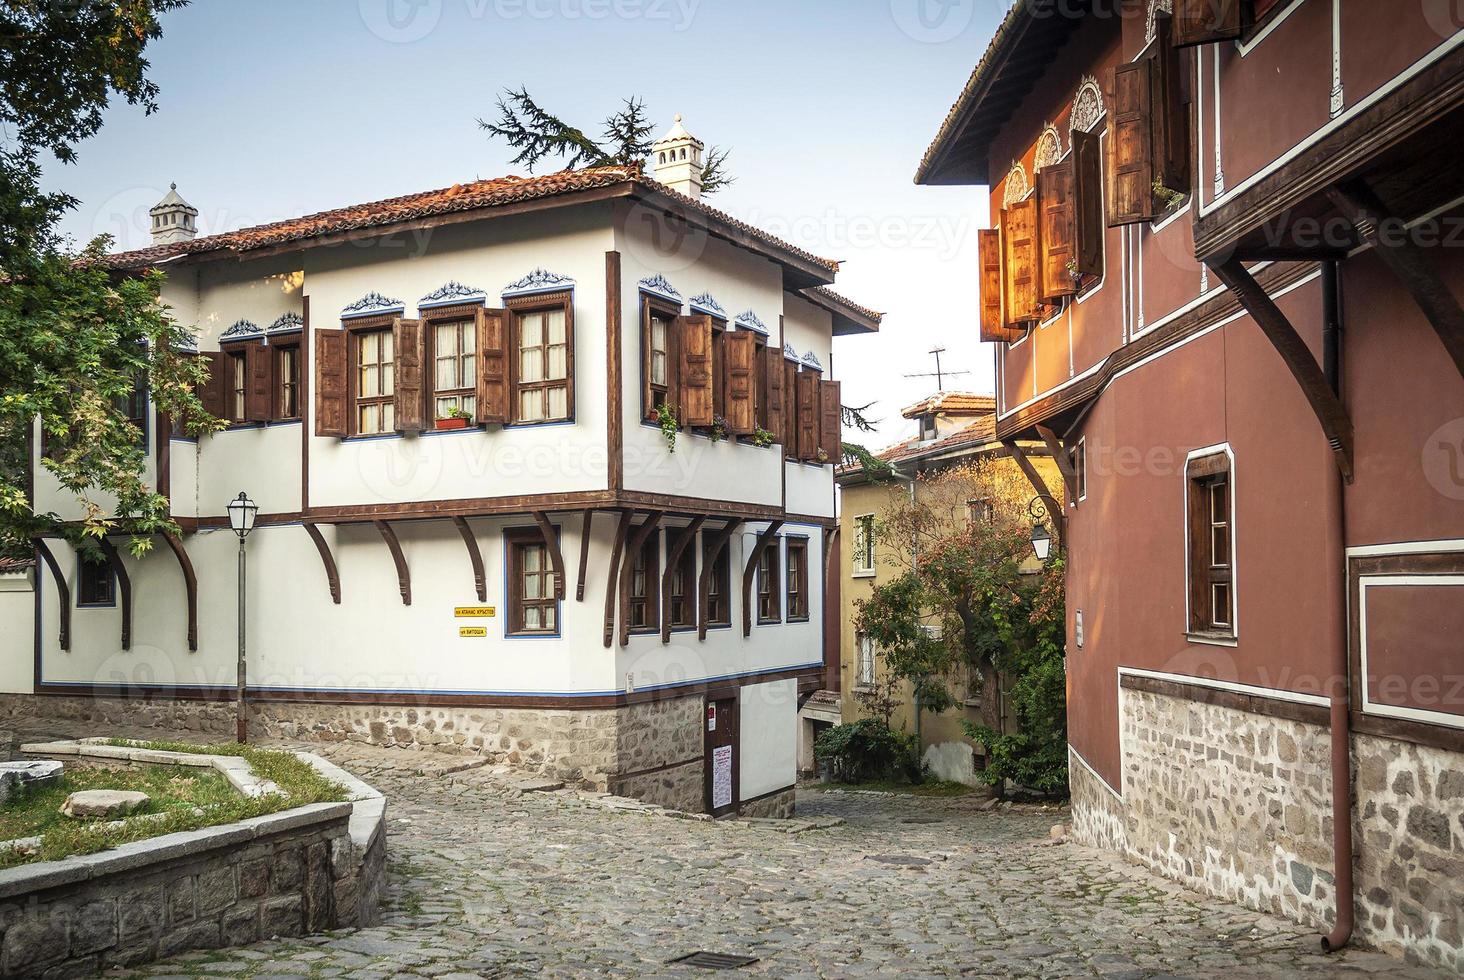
75, 339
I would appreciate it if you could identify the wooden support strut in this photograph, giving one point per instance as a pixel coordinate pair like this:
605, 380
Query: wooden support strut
612, 575
584, 562
332, 576
551, 545
1408, 261
673, 560
404, 574
190, 584
1039, 486
124, 589
713, 549
627, 561
1336, 426
475, 557
763, 540
63, 593
1060, 457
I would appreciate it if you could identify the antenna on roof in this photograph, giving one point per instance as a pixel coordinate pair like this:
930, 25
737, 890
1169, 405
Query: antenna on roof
938, 374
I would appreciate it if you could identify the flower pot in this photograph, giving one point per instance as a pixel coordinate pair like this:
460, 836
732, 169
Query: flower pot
444, 425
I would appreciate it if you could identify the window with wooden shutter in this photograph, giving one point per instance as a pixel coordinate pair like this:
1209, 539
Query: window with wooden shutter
806, 406
993, 320
410, 397
772, 367
741, 349
1131, 174
1208, 21
1055, 197
830, 421
286, 380
213, 393
493, 381
694, 337
660, 367
543, 365
1211, 546
797, 580
450, 364
1170, 112
330, 383
1089, 225
373, 372
258, 383
1021, 237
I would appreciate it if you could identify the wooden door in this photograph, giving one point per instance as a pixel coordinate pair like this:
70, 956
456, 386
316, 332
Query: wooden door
721, 749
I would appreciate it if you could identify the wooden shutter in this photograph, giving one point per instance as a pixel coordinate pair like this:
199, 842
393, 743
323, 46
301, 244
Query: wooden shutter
1170, 113
258, 382
694, 338
741, 350
330, 383
214, 393
1208, 21
993, 322
773, 370
493, 364
411, 402
806, 405
1088, 224
1020, 236
790, 409
1131, 189
830, 420
1055, 197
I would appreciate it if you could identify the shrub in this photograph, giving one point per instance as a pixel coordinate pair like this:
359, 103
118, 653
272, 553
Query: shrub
863, 750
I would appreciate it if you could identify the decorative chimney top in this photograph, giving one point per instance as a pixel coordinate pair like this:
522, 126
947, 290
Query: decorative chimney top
173, 219
676, 160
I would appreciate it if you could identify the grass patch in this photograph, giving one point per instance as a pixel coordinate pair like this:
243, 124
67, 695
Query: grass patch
931, 787
188, 799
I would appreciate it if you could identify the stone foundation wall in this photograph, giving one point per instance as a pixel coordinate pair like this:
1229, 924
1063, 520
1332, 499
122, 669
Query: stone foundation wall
678, 788
779, 806
1238, 805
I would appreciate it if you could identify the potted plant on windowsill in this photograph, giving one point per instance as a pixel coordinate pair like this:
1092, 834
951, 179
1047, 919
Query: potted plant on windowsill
455, 418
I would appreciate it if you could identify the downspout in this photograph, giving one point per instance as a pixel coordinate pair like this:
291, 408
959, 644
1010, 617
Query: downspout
1341, 700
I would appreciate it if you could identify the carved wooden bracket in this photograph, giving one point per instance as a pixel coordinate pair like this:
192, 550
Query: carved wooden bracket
1039, 486
124, 589
404, 574
584, 562
475, 557
763, 540
673, 559
332, 577
190, 584
612, 576
1060, 457
63, 593
713, 549
551, 544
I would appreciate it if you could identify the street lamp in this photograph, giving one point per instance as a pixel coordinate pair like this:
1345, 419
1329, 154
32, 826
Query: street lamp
242, 511
1041, 542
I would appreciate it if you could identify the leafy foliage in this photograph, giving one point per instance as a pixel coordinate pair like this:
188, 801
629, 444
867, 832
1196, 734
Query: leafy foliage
862, 750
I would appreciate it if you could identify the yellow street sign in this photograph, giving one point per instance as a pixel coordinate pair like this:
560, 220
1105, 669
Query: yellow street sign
467, 631
474, 612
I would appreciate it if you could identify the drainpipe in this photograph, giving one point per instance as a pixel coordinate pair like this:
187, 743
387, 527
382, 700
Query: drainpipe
1341, 700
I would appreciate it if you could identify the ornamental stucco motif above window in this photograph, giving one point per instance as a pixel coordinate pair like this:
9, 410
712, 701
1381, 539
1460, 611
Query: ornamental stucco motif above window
1155, 7
1017, 185
1049, 148
1087, 106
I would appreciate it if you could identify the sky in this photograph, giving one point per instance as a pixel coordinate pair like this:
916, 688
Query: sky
275, 108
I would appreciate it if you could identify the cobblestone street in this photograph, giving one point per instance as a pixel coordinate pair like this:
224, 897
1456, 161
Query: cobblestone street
490, 880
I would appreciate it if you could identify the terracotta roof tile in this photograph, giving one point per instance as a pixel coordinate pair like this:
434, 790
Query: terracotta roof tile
831, 298
10, 566
952, 403
978, 434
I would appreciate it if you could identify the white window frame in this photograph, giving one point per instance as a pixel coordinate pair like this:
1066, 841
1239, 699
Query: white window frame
863, 571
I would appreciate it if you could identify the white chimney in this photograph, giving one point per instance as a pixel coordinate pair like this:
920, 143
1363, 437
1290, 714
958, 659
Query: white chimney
173, 219
676, 160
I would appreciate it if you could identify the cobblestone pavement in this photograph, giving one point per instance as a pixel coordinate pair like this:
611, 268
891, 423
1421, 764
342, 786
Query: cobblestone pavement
489, 880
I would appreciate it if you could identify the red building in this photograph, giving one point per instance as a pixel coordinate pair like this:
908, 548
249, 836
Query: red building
1221, 276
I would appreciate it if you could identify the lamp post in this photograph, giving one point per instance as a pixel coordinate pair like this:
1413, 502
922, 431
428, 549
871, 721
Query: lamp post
1041, 537
242, 511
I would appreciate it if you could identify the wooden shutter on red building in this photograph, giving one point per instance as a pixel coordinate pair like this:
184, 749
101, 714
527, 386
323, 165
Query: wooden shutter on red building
1055, 197
1131, 190
1021, 237
330, 383
694, 334
741, 348
993, 320
214, 393
492, 393
258, 382
411, 403
1208, 21
1170, 112
772, 367
830, 421
1088, 224
806, 405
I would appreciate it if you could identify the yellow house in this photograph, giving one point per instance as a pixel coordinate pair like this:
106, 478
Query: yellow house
954, 429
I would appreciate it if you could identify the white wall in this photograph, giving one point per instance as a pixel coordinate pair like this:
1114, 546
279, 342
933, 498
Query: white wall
17, 634
768, 738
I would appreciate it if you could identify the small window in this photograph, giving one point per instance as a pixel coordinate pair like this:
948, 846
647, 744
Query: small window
979, 511
719, 595
645, 568
454, 358
97, 585
375, 382
287, 382
683, 591
865, 667
769, 603
927, 427
1212, 575
238, 384
864, 544
533, 610
134, 405
543, 377
1078, 457
659, 366
797, 580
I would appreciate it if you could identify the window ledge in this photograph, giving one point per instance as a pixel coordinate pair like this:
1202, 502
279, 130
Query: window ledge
863, 574
1213, 639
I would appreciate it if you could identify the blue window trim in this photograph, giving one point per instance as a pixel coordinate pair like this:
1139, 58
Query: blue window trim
508, 594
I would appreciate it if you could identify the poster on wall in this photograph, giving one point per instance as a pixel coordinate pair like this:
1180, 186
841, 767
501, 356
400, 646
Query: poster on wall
721, 776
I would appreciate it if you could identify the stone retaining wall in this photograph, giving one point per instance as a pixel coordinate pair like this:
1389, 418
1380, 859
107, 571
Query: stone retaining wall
778, 806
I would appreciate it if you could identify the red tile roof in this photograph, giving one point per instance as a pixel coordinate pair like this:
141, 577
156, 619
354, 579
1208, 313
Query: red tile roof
978, 436
10, 566
952, 403
850, 317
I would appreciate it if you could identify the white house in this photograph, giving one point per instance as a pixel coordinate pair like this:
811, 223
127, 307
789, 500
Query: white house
453, 409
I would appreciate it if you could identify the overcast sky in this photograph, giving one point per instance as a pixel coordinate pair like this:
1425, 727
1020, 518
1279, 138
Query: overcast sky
276, 108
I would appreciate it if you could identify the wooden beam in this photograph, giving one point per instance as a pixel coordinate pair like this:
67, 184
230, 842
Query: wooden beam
124, 589
404, 574
190, 584
475, 557
1060, 457
763, 540
584, 562
713, 553
1039, 486
612, 576
673, 559
1409, 262
1336, 426
636, 542
551, 544
332, 577
63, 593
